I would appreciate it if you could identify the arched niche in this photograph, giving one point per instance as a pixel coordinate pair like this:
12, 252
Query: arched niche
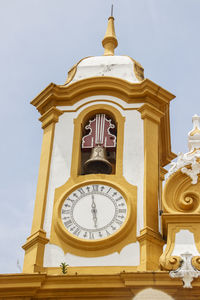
98, 144
152, 294
79, 131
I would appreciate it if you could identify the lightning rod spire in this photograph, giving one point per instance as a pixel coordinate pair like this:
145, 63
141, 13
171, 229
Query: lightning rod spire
109, 41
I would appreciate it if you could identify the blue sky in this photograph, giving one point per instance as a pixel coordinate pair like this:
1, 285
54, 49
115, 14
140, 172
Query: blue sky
41, 40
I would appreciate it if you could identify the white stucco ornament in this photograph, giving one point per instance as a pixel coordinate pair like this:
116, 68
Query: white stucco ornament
189, 163
186, 271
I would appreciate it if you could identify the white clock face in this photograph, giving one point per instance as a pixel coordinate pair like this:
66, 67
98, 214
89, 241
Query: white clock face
94, 212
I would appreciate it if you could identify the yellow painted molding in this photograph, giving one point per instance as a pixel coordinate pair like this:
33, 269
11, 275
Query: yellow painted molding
43, 178
48, 120
34, 251
151, 116
122, 286
39, 236
59, 95
150, 112
50, 116
94, 248
34, 247
48, 124
151, 244
149, 234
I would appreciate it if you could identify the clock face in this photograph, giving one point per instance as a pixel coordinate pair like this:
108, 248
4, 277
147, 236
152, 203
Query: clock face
94, 212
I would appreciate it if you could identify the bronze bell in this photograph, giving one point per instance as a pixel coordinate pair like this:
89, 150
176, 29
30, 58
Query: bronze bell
97, 163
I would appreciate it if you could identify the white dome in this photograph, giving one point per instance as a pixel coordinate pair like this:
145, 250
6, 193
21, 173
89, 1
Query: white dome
122, 67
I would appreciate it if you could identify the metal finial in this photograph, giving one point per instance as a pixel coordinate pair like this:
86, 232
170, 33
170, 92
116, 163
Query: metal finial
112, 10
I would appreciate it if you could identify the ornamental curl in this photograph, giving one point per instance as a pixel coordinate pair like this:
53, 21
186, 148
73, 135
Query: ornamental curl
196, 262
170, 263
189, 201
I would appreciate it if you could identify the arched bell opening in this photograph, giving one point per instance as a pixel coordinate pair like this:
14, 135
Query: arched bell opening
98, 144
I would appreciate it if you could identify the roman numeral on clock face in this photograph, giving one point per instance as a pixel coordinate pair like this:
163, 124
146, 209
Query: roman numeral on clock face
118, 222
65, 211
122, 211
81, 191
68, 223
95, 187
77, 232
91, 235
70, 200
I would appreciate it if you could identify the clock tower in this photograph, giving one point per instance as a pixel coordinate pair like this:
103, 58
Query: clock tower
106, 139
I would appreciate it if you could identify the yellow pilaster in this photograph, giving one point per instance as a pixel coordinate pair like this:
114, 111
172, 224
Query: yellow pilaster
150, 240
34, 247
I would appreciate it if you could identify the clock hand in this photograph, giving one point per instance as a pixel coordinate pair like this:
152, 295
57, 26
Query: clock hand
94, 211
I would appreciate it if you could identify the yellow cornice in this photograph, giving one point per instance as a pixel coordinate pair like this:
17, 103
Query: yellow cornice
37, 237
57, 95
120, 286
50, 116
148, 234
150, 112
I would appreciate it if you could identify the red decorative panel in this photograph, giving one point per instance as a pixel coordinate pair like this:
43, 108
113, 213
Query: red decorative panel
99, 133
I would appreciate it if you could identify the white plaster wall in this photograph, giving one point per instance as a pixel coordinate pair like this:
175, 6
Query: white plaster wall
129, 256
133, 168
184, 242
133, 164
60, 162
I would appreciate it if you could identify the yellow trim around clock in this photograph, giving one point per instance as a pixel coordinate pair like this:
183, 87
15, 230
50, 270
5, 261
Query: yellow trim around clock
114, 243
80, 121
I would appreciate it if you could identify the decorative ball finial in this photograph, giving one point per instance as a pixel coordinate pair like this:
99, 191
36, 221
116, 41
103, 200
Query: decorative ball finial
109, 41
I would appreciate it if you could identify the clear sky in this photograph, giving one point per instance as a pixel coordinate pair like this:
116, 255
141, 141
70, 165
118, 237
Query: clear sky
40, 41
